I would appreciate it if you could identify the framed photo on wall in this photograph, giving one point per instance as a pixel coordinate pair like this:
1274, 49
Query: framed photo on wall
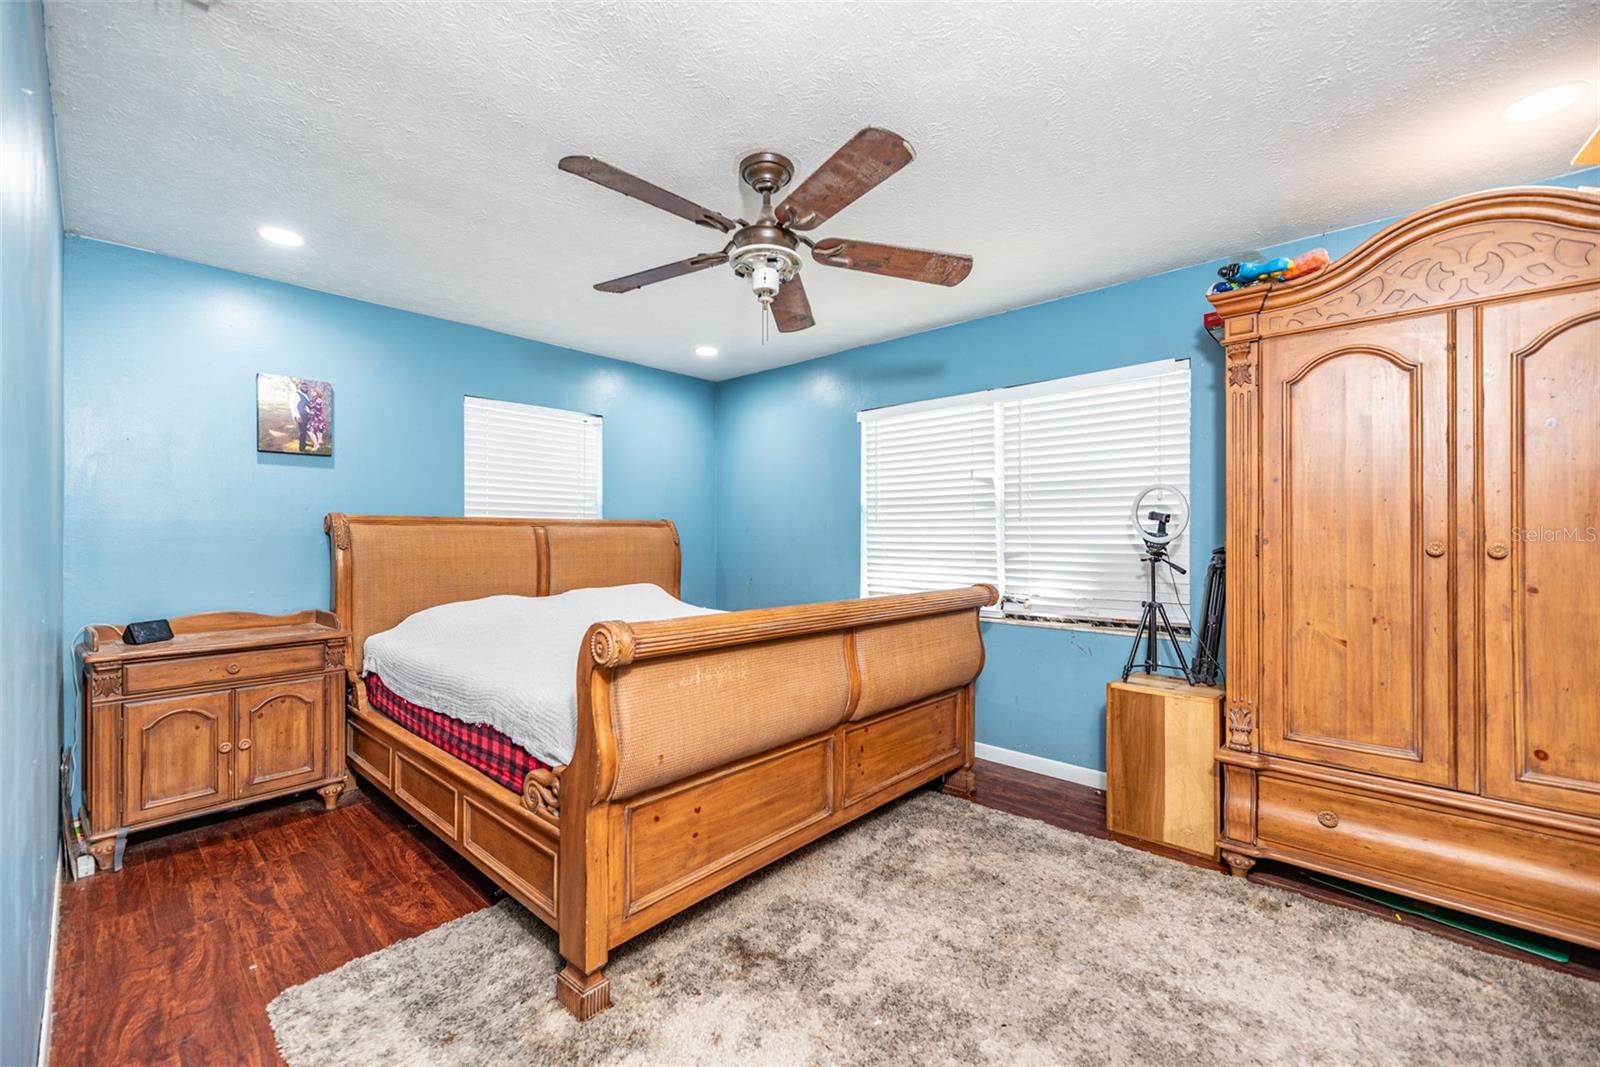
294, 415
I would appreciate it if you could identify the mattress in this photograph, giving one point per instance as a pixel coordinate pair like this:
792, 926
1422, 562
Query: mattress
478, 745
509, 662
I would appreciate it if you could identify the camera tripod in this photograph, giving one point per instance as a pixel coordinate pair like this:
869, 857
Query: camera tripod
1154, 623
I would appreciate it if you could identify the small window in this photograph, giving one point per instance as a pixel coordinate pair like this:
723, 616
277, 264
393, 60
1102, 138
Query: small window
1029, 489
531, 462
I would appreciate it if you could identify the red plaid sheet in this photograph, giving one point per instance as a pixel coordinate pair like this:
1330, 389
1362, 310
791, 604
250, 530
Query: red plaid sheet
478, 745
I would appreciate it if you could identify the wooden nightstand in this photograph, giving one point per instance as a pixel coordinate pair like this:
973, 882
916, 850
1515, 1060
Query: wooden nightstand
1162, 737
236, 708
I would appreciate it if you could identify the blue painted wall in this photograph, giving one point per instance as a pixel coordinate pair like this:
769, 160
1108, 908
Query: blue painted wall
170, 509
30, 527
789, 475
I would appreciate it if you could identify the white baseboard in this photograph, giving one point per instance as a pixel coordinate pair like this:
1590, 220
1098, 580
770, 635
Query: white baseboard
50, 974
1069, 772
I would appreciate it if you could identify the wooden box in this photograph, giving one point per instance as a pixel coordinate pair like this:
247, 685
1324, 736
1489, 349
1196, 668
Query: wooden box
1162, 736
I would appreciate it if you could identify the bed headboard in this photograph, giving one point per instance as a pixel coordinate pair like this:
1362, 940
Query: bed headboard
386, 567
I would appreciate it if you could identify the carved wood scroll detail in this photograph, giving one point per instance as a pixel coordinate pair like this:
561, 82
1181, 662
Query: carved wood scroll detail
338, 528
541, 792
1467, 263
106, 683
1241, 368
1241, 727
334, 655
611, 644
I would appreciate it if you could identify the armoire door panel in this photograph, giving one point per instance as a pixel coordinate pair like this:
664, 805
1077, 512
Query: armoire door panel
1541, 536
1355, 547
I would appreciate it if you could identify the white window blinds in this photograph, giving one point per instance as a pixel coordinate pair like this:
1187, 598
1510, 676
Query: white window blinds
1029, 488
927, 483
528, 461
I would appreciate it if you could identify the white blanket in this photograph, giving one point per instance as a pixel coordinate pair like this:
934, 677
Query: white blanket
510, 661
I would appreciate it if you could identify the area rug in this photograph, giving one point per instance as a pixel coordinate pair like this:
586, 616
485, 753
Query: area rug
938, 931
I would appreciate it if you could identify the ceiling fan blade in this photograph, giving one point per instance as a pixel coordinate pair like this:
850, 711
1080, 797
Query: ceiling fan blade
850, 173
790, 308
629, 282
621, 181
912, 264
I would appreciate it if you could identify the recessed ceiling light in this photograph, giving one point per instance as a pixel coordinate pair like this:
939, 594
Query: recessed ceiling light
280, 236
706, 351
1545, 102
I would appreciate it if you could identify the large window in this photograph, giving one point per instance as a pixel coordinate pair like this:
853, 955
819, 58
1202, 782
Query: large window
529, 461
1030, 489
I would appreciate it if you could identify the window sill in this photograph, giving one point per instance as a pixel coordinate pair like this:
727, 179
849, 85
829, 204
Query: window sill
1111, 630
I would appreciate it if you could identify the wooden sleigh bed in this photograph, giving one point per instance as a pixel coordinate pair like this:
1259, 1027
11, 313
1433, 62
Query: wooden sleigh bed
707, 747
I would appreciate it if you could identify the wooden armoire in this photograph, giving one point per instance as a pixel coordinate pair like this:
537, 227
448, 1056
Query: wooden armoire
1413, 527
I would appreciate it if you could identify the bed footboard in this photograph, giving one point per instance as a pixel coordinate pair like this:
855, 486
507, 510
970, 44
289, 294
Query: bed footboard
710, 746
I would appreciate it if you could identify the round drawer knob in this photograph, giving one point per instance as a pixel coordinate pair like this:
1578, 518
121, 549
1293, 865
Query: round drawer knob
1328, 819
225, 748
1498, 551
1435, 549
244, 743
233, 668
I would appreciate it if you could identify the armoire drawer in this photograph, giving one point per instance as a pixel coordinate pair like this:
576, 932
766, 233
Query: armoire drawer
157, 675
1493, 863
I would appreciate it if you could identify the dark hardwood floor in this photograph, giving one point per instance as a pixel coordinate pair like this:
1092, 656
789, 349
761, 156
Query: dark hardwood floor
174, 960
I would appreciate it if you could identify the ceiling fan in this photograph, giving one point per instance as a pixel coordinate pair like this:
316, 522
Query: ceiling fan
767, 251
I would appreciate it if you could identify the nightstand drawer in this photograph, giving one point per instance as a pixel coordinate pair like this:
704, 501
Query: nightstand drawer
229, 667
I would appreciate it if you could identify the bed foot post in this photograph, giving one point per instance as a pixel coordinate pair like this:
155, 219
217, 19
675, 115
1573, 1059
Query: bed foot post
584, 995
330, 795
961, 783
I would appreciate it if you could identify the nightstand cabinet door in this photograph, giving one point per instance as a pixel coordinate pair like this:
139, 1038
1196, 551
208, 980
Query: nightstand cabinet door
176, 755
280, 737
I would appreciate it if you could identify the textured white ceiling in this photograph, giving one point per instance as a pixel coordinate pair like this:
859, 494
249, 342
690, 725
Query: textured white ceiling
1065, 147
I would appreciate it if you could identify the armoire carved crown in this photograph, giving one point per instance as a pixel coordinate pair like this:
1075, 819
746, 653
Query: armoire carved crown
1473, 247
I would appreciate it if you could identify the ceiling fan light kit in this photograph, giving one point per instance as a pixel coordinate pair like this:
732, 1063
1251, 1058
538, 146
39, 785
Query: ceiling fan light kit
766, 252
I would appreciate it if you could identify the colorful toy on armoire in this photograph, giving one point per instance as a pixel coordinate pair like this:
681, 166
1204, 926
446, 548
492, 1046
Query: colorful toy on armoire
1243, 274
1282, 269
